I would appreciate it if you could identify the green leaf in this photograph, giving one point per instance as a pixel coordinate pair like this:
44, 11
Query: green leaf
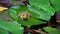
2, 31
51, 30
56, 4
30, 22
43, 8
38, 2
1, 19
38, 13
11, 26
14, 14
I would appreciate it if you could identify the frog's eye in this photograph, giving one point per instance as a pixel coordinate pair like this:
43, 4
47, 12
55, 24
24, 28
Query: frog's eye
30, 15
23, 15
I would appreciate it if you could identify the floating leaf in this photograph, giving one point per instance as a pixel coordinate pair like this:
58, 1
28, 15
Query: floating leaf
51, 30
11, 26
14, 14
56, 4
43, 8
2, 31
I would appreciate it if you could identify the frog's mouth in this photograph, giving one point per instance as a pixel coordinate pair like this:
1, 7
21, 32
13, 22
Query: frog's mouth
25, 19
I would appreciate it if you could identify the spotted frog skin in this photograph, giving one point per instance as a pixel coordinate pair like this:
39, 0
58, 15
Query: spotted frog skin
24, 15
